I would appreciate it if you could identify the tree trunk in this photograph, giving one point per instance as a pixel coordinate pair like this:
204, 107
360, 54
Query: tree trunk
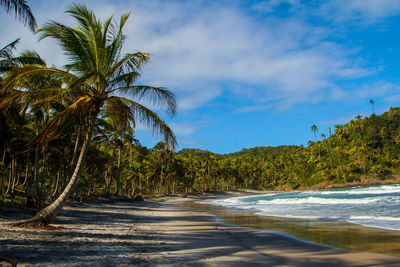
9, 180
3, 158
75, 154
46, 215
119, 172
56, 184
36, 172
67, 168
140, 179
42, 180
133, 187
3, 172
109, 178
26, 174
15, 176
161, 178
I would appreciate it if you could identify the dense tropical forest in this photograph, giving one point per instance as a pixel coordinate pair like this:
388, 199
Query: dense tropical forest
71, 132
364, 148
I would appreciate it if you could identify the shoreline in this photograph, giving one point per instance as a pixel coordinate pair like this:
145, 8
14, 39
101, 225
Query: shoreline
164, 232
331, 233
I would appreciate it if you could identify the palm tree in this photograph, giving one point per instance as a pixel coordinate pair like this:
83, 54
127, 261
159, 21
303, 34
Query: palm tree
206, 162
191, 170
96, 77
163, 157
314, 129
372, 102
116, 129
21, 10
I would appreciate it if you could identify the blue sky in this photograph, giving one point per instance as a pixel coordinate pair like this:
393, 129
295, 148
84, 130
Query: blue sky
251, 73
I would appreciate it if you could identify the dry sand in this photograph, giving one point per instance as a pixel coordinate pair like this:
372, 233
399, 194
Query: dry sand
163, 232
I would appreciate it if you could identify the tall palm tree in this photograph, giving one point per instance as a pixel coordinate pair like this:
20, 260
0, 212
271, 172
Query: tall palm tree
372, 102
163, 157
97, 77
314, 129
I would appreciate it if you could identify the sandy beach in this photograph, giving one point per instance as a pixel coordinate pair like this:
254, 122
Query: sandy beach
163, 232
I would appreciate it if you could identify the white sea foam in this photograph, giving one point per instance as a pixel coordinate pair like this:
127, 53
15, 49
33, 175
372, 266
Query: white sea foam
386, 189
234, 200
317, 200
375, 206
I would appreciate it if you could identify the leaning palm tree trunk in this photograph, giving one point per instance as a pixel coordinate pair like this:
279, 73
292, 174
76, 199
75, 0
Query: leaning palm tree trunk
98, 74
46, 215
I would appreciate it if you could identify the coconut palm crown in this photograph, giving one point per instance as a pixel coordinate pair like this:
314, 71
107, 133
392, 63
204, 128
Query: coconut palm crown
96, 79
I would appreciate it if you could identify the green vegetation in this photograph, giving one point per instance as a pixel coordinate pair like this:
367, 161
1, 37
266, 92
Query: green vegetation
70, 132
363, 150
52, 105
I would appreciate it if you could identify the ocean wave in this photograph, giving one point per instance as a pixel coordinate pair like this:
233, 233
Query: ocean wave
236, 200
375, 206
318, 200
385, 189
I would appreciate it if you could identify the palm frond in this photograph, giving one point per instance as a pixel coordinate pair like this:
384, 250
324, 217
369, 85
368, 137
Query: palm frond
149, 118
158, 96
17, 74
61, 115
74, 45
7, 51
21, 10
90, 30
28, 57
119, 112
129, 63
35, 96
124, 80
117, 40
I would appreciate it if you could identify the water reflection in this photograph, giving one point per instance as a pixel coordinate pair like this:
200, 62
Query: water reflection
332, 233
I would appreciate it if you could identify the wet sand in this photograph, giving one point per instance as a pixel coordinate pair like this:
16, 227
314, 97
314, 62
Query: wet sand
327, 232
163, 232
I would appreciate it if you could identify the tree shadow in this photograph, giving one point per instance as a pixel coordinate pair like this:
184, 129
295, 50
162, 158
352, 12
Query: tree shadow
97, 235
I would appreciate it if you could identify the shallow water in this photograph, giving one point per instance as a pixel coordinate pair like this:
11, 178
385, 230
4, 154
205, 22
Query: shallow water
328, 230
374, 206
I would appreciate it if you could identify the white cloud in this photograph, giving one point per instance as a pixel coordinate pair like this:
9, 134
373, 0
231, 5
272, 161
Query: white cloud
182, 129
378, 89
197, 47
270, 5
360, 11
289, 59
393, 99
197, 97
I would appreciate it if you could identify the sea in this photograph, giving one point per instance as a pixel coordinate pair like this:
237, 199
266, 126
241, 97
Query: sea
374, 206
